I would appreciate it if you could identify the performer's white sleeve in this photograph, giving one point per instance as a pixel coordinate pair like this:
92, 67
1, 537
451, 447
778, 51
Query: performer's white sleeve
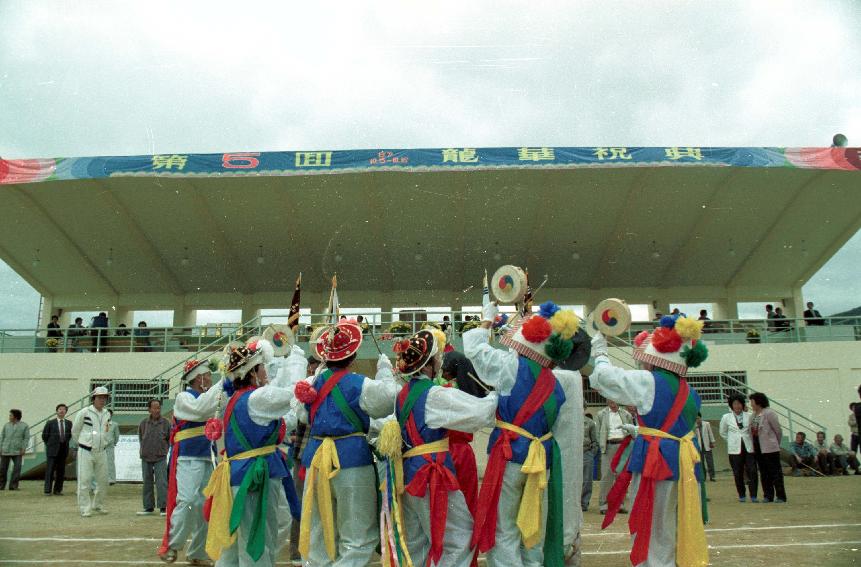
290, 419
201, 408
272, 401
496, 368
451, 408
378, 396
298, 408
568, 431
625, 387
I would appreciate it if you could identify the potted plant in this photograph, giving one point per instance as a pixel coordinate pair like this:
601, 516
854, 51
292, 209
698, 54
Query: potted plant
753, 336
400, 328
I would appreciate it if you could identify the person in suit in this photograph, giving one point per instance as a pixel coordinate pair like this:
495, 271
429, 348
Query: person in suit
735, 428
766, 432
614, 424
812, 316
56, 436
706, 440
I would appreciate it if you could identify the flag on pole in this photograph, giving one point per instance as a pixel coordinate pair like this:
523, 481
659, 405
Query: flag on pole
485, 293
293, 316
334, 309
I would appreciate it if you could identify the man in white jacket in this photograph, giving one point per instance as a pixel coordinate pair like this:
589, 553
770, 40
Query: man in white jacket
91, 430
190, 465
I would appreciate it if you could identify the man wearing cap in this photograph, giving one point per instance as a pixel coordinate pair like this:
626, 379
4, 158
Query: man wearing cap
437, 520
662, 463
190, 464
521, 502
90, 430
340, 499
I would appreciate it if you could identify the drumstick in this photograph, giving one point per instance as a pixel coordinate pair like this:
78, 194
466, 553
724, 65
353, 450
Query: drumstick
376, 344
479, 382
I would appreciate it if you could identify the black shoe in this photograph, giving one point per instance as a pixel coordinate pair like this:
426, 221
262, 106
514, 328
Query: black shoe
47, 494
58, 494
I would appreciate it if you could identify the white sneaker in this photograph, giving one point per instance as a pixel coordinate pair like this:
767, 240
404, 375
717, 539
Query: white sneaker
101, 511
146, 513
86, 514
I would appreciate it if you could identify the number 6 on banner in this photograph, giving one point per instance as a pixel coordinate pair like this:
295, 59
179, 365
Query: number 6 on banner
241, 160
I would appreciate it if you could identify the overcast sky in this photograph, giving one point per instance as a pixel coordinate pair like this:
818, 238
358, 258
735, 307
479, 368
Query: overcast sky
109, 78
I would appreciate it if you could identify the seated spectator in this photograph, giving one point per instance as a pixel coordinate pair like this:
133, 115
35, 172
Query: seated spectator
812, 316
122, 331
823, 455
707, 325
842, 457
658, 316
803, 454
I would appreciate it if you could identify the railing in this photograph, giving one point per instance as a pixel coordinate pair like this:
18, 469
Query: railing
194, 339
158, 387
717, 387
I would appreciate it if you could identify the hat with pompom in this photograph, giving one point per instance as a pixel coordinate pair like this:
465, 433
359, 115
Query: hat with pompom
414, 353
545, 337
339, 342
194, 368
244, 358
675, 345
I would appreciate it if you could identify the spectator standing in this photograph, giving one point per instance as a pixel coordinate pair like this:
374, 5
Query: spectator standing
13, 443
89, 430
99, 329
812, 316
142, 337
614, 424
769, 315
853, 429
704, 316
706, 439
74, 333
781, 323
842, 457
122, 330
735, 428
766, 433
857, 411
54, 333
823, 455
154, 436
56, 435
590, 449
802, 453
113, 439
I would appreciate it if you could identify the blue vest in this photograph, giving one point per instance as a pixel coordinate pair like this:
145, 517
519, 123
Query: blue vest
330, 422
257, 436
199, 447
536, 425
665, 387
428, 435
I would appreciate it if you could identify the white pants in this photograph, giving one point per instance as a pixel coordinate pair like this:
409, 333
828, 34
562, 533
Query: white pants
357, 524
509, 550
92, 480
456, 550
235, 555
192, 476
662, 545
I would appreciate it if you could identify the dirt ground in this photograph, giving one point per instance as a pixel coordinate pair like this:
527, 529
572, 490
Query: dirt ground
820, 526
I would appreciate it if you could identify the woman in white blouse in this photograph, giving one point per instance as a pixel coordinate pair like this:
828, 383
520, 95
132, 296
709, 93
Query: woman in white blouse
735, 429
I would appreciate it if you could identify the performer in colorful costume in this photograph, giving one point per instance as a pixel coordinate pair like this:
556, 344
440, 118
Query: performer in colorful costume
666, 520
247, 506
519, 520
190, 466
337, 460
436, 518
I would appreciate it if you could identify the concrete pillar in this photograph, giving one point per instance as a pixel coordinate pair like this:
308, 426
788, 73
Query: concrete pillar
184, 316
45, 312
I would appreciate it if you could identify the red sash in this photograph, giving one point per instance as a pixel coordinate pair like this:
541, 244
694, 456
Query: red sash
324, 391
171, 484
484, 534
433, 475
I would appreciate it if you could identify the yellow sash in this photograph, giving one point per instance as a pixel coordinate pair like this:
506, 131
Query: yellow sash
218, 536
324, 466
535, 469
691, 547
189, 433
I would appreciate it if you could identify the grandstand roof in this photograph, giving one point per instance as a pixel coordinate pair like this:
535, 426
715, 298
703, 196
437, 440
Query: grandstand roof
427, 219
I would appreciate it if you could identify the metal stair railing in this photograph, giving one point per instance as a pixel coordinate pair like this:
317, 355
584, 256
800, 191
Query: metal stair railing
245, 330
727, 385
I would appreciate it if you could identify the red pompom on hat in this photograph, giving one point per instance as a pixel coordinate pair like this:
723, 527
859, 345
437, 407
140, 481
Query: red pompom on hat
305, 392
666, 340
536, 329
